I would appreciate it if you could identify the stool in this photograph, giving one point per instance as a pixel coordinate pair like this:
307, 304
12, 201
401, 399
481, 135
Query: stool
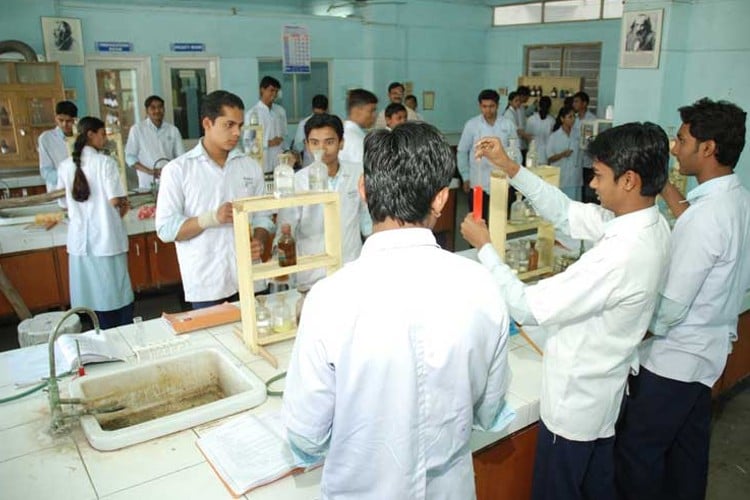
37, 330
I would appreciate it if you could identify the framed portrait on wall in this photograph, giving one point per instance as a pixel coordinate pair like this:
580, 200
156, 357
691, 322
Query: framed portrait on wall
641, 39
63, 40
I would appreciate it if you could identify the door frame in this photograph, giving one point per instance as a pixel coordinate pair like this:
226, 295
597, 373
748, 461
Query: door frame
142, 67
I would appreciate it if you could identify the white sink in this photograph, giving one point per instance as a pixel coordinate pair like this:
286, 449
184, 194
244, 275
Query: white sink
164, 396
25, 215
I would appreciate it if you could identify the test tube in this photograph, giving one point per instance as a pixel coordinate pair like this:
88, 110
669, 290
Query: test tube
139, 338
478, 199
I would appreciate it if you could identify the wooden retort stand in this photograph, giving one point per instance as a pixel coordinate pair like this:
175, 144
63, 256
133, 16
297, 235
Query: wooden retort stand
248, 272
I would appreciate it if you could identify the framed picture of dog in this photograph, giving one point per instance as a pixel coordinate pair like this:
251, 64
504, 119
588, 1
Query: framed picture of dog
641, 38
63, 40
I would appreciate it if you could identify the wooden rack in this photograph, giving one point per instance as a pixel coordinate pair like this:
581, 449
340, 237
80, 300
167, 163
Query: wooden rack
248, 272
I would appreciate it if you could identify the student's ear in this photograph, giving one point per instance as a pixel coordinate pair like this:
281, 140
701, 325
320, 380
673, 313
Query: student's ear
630, 181
361, 188
708, 148
206, 122
439, 201
341, 145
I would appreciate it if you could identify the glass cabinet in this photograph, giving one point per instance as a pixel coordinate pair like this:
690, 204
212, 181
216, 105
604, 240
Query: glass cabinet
28, 95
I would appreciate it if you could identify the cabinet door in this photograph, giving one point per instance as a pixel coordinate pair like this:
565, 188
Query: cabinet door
10, 140
63, 276
34, 276
163, 261
39, 116
138, 263
504, 470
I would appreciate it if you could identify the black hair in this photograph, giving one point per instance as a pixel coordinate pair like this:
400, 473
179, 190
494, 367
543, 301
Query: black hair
568, 101
582, 96
511, 96
151, 99
404, 170
81, 189
269, 81
212, 103
545, 103
523, 90
412, 96
562, 113
359, 97
320, 101
722, 122
640, 147
488, 95
394, 108
324, 120
394, 85
66, 108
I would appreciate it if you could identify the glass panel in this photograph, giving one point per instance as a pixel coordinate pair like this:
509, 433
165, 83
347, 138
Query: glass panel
528, 13
6, 118
41, 112
4, 73
188, 89
118, 98
35, 73
571, 10
544, 61
612, 9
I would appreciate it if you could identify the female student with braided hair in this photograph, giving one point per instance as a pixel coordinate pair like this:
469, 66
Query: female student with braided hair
97, 239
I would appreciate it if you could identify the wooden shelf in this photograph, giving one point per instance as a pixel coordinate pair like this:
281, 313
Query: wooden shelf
535, 273
513, 228
271, 269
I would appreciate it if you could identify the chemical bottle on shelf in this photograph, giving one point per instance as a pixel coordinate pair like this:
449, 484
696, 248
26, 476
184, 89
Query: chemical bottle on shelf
283, 178
514, 152
318, 173
553, 94
253, 120
262, 316
518, 210
531, 155
533, 256
283, 317
287, 247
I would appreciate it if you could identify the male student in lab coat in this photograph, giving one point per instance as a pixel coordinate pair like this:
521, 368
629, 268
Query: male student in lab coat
52, 146
325, 133
272, 117
596, 311
319, 105
194, 208
389, 372
360, 108
663, 436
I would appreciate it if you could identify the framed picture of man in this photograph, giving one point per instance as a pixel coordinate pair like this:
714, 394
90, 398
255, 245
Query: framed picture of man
641, 39
63, 40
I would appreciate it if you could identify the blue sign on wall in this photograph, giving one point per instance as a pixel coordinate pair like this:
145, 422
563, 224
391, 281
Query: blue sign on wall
187, 47
114, 47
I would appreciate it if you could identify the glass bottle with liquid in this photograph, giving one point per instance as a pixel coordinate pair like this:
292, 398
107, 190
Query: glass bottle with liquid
282, 314
318, 173
262, 316
287, 250
531, 155
533, 256
514, 152
518, 210
283, 178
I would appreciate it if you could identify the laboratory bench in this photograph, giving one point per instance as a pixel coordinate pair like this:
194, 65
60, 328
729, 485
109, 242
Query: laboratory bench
34, 464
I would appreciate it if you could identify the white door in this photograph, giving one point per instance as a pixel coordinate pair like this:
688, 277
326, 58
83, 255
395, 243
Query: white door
116, 87
185, 81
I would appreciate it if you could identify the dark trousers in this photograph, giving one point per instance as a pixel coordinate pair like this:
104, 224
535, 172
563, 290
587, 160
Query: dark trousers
573, 470
209, 303
663, 434
116, 317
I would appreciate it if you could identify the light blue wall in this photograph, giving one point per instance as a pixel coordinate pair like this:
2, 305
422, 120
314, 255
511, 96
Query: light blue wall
705, 52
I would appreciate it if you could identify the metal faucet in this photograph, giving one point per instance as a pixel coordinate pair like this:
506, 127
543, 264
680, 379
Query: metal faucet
55, 402
6, 189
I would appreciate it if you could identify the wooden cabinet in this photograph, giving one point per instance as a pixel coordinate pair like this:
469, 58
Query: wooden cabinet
501, 229
28, 95
162, 260
34, 276
63, 276
504, 470
562, 86
151, 263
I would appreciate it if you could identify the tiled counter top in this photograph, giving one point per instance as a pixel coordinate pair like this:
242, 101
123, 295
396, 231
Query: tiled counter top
21, 237
35, 465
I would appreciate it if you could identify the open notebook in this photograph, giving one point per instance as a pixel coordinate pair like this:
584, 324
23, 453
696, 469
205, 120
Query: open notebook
250, 451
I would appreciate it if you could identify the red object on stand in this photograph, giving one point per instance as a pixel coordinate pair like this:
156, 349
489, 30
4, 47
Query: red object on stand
477, 205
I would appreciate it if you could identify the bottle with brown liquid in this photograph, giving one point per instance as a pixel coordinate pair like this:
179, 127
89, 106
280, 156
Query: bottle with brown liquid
533, 256
287, 249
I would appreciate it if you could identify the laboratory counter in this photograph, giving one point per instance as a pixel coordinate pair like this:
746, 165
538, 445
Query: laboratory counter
35, 465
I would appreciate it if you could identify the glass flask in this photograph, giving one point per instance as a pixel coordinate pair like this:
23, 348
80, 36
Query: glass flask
262, 316
518, 210
283, 316
318, 172
283, 178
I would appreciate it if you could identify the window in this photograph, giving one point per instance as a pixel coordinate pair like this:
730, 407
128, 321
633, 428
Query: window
556, 11
185, 82
581, 60
297, 90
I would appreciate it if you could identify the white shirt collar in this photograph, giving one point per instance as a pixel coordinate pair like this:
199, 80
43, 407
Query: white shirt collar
633, 220
399, 238
722, 184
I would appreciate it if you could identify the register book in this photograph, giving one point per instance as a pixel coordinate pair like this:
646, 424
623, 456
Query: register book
250, 451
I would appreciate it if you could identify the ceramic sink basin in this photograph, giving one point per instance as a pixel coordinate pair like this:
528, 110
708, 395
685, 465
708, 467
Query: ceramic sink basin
163, 396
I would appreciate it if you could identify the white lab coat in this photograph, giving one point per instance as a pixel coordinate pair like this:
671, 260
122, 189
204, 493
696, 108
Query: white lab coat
191, 185
394, 370
597, 311
52, 150
148, 144
307, 220
541, 130
571, 174
274, 124
354, 143
94, 224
